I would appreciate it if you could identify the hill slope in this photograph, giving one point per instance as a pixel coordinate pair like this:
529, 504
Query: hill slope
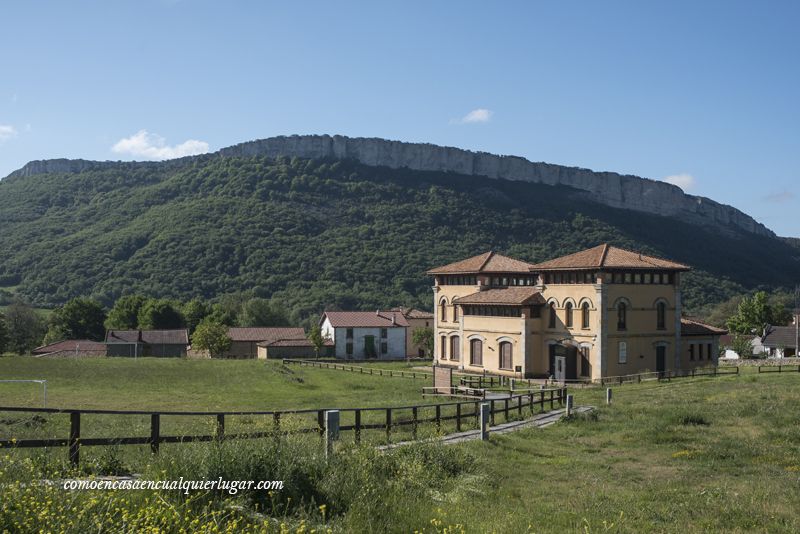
317, 233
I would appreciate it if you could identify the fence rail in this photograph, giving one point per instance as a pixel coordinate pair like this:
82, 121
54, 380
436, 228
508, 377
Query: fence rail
391, 419
668, 375
360, 370
777, 368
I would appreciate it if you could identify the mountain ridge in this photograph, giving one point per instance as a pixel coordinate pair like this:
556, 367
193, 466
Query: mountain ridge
610, 188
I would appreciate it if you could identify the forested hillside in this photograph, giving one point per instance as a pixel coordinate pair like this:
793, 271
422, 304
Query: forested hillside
315, 234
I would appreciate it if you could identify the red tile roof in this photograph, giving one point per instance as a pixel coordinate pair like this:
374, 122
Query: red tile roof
413, 313
608, 257
73, 345
265, 333
488, 262
292, 343
692, 327
508, 296
360, 319
150, 337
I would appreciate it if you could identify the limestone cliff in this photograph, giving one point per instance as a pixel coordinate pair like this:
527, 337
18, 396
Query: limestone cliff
612, 189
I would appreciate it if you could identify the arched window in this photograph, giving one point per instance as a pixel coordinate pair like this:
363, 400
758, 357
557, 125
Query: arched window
455, 312
455, 348
569, 314
552, 320
622, 316
443, 349
443, 310
506, 355
585, 315
476, 352
661, 312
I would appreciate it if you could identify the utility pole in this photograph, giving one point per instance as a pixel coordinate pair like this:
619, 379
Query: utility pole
797, 320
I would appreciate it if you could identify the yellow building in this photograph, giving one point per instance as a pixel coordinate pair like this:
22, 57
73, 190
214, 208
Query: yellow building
601, 312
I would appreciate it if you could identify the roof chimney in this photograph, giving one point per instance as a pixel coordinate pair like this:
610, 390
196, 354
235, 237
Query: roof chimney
394, 319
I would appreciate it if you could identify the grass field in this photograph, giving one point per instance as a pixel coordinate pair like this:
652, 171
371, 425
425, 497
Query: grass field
693, 455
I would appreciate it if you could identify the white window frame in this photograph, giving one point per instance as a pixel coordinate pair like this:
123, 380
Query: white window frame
623, 352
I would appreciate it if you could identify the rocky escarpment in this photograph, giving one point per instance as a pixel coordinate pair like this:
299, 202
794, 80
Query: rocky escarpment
609, 188
619, 191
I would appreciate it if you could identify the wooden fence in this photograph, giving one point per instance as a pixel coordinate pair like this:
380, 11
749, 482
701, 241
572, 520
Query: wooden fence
668, 375
777, 368
391, 419
361, 370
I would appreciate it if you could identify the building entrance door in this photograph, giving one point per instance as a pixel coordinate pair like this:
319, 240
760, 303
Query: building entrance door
561, 368
369, 346
661, 353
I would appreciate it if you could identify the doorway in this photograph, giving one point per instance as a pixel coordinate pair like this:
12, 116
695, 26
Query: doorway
369, 346
661, 357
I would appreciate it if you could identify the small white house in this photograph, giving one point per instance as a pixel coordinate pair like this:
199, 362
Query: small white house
366, 335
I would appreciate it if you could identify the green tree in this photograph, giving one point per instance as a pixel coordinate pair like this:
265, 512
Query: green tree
25, 327
79, 318
125, 313
3, 333
317, 339
742, 345
211, 336
423, 337
194, 312
160, 314
753, 315
262, 312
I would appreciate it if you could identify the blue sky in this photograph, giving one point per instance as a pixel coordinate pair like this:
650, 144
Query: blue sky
703, 92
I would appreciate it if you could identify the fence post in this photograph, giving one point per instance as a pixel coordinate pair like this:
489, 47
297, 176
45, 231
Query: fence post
414, 423
477, 414
220, 426
519, 405
484, 420
155, 430
438, 419
458, 417
541, 401
491, 412
569, 405
608, 395
74, 438
321, 422
276, 419
388, 425
331, 431
505, 409
552, 405
358, 426
530, 399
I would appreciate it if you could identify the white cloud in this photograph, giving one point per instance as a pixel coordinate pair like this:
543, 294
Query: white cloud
7, 132
476, 116
684, 181
779, 197
153, 146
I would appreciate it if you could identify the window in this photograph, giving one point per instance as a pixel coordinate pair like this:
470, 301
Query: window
443, 310
585, 315
383, 333
384, 347
455, 348
691, 353
569, 314
349, 348
623, 352
709, 347
628, 278
648, 278
349, 333
536, 311
622, 316
657, 278
443, 349
476, 352
455, 313
661, 311
552, 323
700, 351
506, 356
617, 278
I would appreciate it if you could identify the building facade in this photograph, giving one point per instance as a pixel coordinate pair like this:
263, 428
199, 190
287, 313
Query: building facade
598, 313
144, 343
415, 319
245, 340
366, 335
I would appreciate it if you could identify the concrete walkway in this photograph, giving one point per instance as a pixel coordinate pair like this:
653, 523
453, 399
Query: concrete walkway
539, 421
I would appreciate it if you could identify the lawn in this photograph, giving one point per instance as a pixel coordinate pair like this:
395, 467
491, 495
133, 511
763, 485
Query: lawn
692, 455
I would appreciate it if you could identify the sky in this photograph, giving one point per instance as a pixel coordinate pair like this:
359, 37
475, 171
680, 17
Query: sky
702, 94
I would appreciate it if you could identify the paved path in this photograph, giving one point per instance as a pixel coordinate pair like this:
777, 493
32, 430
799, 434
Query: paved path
539, 421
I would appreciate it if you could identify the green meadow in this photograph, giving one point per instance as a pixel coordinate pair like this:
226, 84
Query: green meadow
693, 455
